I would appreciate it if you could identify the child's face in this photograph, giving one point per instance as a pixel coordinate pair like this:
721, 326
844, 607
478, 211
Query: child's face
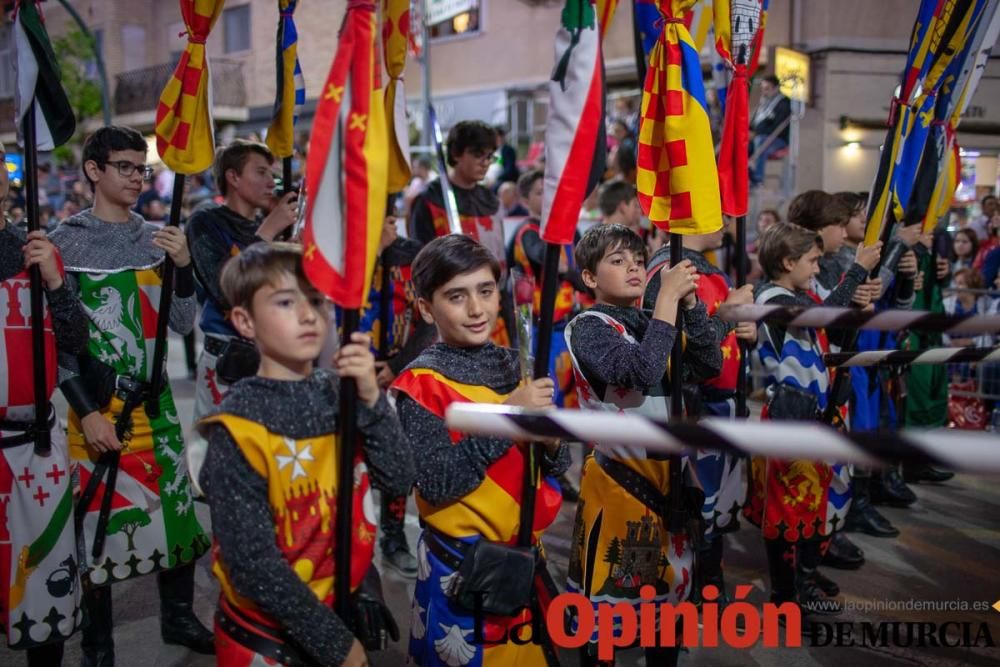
464, 309
254, 183
961, 282
535, 196
833, 238
288, 324
472, 165
620, 277
801, 270
963, 247
855, 227
110, 185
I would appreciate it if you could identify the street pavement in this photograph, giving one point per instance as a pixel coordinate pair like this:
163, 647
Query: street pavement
948, 552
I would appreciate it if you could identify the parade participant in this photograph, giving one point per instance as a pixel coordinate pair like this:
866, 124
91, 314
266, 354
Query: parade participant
789, 500
143, 522
389, 316
271, 477
469, 489
470, 149
620, 356
39, 586
838, 219
723, 477
243, 171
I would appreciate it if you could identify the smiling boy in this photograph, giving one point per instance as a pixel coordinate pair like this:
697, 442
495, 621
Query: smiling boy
469, 488
271, 476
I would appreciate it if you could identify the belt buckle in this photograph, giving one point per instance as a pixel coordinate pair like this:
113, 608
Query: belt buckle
124, 386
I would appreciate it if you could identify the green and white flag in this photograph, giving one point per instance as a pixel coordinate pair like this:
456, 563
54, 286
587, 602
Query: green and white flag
38, 80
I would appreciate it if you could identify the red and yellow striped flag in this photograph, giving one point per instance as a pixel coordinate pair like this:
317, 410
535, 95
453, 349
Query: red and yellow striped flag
677, 178
395, 38
346, 171
185, 137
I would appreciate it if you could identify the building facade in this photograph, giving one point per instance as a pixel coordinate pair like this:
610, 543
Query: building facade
492, 60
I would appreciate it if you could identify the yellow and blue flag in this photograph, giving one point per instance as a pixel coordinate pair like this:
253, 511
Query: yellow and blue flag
291, 89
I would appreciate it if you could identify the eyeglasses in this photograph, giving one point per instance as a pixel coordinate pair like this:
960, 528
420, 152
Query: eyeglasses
483, 157
126, 169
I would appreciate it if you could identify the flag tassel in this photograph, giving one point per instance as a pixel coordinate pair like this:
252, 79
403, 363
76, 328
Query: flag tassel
42, 441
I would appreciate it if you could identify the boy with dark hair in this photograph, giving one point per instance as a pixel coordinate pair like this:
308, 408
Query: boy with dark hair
140, 519
620, 356
469, 489
470, 148
271, 476
792, 357
723, 477
38, 568
244, 177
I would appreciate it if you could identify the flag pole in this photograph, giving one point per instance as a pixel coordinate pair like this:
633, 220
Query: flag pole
163, 312
348, 436
42, 442
741, 280
543, 350
677, 520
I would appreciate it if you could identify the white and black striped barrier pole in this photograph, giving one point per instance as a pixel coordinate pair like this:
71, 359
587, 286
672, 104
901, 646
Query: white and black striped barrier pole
852, 318
969, 451
938, 356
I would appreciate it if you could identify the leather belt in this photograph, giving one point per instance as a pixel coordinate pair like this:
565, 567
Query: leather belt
638, 486
28, 430
260, 639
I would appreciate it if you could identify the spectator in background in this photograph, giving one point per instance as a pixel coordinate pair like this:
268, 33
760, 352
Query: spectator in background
422, 174
510, 201
964, 248
765, 219
509, 173
991, 241
980, 223
619, 204
155, 212
198, 190
773, 110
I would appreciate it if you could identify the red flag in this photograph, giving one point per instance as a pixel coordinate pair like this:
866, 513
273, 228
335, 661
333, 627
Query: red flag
346, 172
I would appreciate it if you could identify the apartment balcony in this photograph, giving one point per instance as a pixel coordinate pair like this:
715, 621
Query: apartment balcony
137, 93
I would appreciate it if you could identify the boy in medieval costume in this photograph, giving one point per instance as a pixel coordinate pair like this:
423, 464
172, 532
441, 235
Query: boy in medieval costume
136, 512
39, 586
469, 489
389, 317
243, 173
270, 476
620, 354
790, 500
723, 477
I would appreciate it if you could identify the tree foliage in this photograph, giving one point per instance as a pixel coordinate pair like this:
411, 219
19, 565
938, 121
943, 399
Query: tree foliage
75, 55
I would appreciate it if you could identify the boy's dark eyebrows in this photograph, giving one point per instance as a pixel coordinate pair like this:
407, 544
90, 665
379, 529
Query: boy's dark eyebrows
454, 290
486, 283
284, 290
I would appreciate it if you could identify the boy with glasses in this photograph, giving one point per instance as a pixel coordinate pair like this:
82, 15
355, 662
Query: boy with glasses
140, 518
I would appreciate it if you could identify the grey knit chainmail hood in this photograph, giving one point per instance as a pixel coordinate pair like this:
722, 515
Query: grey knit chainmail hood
91, 245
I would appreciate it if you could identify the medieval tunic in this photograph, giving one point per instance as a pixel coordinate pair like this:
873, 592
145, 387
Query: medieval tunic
789, 499
468, 488
39, 585
723, 477
271, 481
115, 270
620, 544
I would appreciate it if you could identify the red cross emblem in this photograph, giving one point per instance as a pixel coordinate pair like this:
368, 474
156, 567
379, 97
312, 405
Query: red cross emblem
27, 478
55, 474
40, 496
